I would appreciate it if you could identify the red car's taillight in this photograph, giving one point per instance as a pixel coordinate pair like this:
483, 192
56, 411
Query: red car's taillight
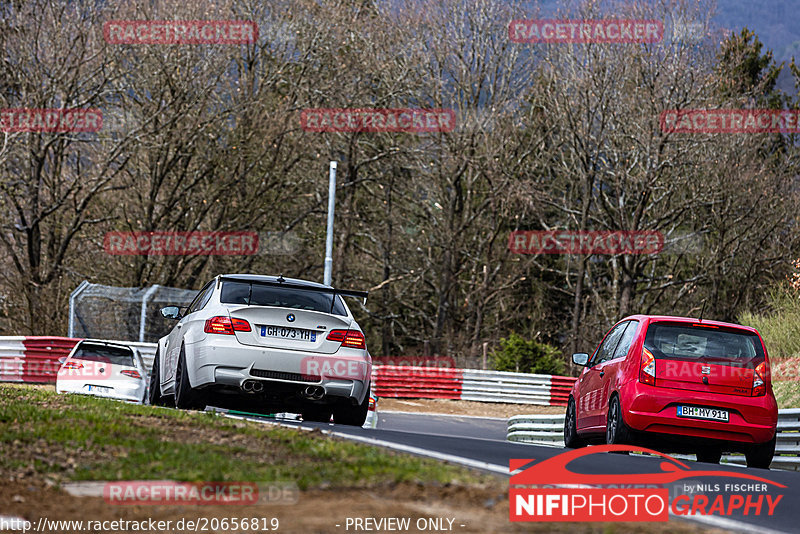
348, 338
760, 380
226, 325
131, 373
647, 371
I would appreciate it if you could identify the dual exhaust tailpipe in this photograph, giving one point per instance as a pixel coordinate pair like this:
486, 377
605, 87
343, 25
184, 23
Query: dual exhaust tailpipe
310, 392
253, 386
314, 392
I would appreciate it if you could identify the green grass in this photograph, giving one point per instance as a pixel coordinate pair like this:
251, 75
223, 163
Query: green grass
780, 328
787, 393
87, 438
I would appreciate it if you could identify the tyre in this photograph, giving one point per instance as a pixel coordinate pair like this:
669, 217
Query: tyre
617, 432
186, 397
760, 456
154, 391
709, 455
347, 414
571, 438
317, 414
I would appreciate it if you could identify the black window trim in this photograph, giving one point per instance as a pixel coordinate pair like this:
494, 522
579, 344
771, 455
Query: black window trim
594, 361
200, 297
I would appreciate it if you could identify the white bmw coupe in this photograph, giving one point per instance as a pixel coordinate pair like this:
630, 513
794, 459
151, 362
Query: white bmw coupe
271, 343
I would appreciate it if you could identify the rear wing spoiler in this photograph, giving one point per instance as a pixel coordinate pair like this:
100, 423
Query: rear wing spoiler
301, 287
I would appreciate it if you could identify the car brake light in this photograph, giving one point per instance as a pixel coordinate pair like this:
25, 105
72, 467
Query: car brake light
131, 373
349, 338
226, 325
647, 371
73, 365
760, 380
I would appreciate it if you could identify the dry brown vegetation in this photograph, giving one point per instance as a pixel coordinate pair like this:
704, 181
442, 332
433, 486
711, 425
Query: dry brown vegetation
208, 137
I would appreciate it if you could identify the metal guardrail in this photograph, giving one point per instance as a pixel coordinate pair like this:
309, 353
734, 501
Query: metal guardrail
516, 388
35, 359
537, 429
549, 430
12, 358
471, 385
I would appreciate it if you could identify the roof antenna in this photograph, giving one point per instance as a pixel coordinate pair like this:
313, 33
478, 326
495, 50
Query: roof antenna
700, 320
281, 279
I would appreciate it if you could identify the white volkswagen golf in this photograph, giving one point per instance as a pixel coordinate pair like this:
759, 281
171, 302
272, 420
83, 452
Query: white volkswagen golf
268, 343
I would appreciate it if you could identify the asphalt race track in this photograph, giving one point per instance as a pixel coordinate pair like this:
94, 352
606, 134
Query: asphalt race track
480, 443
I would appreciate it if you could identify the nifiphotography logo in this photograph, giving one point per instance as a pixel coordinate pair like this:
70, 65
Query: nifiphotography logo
549, 491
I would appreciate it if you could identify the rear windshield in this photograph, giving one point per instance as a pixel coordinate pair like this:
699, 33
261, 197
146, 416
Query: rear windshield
280, 297
104, 353
704, 344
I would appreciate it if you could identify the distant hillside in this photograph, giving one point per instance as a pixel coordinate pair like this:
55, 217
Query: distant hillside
774, 21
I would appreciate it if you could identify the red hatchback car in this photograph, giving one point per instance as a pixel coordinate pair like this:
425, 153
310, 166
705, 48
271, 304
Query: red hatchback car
676, 384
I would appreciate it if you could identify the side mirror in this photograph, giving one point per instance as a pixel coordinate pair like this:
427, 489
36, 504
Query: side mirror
171, 312
580, 358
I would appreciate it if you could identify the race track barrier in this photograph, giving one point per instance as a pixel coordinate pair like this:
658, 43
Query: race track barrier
12, 358
471, 385
417, 382
549, 430
35, 359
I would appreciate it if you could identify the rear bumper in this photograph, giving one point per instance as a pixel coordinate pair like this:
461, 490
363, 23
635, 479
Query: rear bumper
223, 361
118, 390
654, 410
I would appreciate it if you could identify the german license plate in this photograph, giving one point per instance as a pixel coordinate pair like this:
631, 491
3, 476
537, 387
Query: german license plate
709, 414
98, 389
282, 332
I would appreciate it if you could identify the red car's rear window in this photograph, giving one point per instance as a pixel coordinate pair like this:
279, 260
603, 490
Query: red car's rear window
703, 344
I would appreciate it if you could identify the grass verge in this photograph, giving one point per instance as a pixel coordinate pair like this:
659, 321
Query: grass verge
86, 438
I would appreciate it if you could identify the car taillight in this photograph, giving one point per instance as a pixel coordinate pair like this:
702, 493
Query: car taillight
131, 373
226, 325
73, 365
647, 371
348, 338
760, 380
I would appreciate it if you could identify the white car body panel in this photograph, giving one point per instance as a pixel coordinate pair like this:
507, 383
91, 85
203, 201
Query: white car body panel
102, 379
214, 360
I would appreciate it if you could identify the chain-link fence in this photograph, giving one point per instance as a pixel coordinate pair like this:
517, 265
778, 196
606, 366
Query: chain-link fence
124, 313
